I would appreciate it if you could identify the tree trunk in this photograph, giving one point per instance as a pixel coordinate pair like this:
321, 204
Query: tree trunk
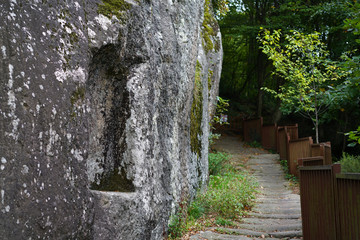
344, 131
317, 125
260, 80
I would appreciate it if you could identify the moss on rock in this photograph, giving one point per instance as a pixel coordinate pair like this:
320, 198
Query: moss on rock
78, 94
210, 77
196, 112
111, 8
208, 28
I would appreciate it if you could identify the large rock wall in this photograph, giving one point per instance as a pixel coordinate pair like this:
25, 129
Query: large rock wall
104, 111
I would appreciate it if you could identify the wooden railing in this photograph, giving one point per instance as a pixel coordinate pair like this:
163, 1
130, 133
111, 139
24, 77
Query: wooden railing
252, 129
269, 136
285, 140
297, 149
330, 203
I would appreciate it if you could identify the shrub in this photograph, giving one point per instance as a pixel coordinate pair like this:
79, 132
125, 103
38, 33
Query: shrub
350, 163
218, 162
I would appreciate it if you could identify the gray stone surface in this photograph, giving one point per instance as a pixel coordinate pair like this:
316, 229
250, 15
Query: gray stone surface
103, 115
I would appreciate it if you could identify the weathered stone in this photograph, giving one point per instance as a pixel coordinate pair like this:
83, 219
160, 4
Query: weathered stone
104, 111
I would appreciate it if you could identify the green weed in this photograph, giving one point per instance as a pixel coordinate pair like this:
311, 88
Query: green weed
254, 144
224, 222
228, 196
288, 176
177, 225
218, 162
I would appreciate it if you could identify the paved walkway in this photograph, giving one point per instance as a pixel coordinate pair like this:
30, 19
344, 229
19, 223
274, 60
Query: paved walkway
276, 214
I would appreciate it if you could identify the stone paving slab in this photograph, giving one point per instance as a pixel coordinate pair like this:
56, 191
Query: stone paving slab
270, 221
280, 234
208, 235
266, 227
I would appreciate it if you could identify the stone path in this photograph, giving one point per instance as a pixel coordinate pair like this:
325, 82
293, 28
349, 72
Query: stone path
277, 213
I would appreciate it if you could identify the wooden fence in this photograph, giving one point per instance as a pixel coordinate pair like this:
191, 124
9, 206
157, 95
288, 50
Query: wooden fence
282, 143
330, 203
297, 149
285, 140
269, 136
252, 129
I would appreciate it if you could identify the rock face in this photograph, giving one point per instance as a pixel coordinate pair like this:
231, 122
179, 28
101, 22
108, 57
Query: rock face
104, 111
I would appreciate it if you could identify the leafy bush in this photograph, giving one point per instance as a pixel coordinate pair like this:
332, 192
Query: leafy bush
218, 162
350, 163
213, 137
354, 137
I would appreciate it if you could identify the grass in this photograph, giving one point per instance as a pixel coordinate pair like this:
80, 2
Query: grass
218, 163
230, 194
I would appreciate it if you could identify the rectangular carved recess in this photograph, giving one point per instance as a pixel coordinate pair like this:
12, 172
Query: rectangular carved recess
115, 181
109, 99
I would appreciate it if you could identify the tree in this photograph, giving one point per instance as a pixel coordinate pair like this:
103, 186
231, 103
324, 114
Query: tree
303, 62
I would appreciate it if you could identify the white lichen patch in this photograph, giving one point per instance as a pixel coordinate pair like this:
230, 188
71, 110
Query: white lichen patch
77, 6
2, 197
30, 48
12, 105
54, 112
69, 176
3, 50
68, 136
11, 80
53, 138
103, 21
25, 169
77, 154
7, 208
91, 33
68, 30
77, 75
